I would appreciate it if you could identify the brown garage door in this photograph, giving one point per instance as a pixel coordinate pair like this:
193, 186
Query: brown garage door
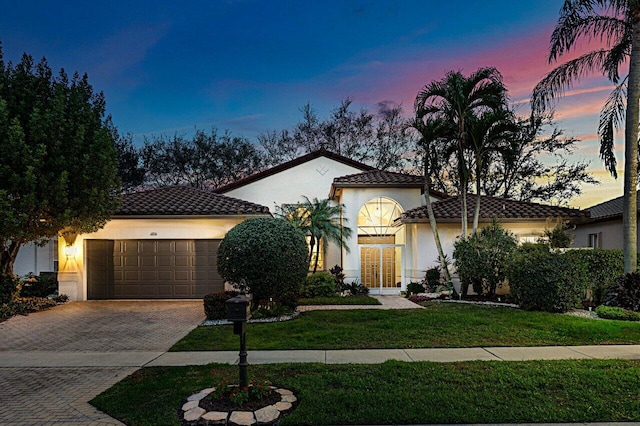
152, 269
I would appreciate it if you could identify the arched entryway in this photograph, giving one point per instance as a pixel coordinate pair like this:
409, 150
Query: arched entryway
381, 246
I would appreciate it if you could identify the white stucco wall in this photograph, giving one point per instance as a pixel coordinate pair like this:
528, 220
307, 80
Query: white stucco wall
422, 253
35, 259
354, 199
72, 276
311, 179
609, 234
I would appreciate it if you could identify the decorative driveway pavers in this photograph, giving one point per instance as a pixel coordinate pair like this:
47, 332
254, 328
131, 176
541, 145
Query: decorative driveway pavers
102, 342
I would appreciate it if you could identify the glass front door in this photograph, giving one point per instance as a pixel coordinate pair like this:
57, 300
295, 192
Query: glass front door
381, 268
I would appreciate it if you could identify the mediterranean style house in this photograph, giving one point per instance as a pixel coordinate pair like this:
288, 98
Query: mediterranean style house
162, 243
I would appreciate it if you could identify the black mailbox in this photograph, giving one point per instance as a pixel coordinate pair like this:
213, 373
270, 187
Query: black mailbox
238, 309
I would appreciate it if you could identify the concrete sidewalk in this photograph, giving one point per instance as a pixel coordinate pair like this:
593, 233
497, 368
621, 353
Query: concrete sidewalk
34, 359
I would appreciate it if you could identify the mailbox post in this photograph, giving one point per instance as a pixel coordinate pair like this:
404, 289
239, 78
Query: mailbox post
238, 312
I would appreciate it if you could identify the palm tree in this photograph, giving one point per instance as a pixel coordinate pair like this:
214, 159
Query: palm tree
430, 131
488, 133
321, 221
616, 24
455, 99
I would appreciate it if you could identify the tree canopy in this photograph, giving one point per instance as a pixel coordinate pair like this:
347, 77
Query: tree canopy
57, 157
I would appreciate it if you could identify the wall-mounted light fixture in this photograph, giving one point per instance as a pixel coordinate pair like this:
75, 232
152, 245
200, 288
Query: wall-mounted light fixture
70, 251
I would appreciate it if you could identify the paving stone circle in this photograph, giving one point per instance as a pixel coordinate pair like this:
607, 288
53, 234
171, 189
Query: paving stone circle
192, 414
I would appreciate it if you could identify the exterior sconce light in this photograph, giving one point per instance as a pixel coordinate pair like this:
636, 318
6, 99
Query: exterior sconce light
70, 251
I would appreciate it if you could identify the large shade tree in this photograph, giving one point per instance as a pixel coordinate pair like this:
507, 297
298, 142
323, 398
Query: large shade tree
614, 25
455, 99
57, 157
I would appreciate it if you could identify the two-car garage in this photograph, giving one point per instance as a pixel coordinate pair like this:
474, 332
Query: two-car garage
152, 269
161, 243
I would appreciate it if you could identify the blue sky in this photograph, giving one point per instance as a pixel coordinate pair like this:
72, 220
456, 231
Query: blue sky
248, 66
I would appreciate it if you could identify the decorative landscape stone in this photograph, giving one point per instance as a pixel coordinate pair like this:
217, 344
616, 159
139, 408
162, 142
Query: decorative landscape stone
192, 414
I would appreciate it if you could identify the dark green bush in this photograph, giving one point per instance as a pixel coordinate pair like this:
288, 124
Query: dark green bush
624, 292
603, 266
9, 288
41, 285
320, 284
432, 278
24, 306
482, 259
338, 277
415, 287
215, 304
615, 313
356, 289
542, 281
269, 255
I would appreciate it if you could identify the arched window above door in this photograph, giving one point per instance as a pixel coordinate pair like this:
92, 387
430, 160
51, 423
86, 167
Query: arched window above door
377, 216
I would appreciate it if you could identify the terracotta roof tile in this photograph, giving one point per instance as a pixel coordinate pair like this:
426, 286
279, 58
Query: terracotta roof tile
379, 177
609, 209
184, 201
492, 207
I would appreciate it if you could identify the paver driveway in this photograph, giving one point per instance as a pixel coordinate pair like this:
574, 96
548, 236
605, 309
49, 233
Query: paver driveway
53, 362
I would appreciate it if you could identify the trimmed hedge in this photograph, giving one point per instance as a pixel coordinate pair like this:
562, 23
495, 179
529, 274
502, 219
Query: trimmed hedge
551, 282
215, 304
269, 255
615, 313
603, 268
320, 284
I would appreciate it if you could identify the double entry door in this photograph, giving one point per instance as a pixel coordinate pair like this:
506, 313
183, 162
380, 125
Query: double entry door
381, 266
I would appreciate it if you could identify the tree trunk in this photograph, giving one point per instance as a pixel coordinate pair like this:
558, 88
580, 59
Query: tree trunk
434, 224
630, 210
312, 243
463, 212
315, 264
8, 257
476, 213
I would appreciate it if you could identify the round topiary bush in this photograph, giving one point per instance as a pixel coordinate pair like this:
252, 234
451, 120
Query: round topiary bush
269, 254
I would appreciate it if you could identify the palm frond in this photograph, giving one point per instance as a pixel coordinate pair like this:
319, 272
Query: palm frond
557, 81
611, 118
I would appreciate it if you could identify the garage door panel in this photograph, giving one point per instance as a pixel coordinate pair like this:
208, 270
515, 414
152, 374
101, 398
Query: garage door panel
127, 269
182, 261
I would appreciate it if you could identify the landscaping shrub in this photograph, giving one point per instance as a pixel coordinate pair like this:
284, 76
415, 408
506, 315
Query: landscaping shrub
356, 289
432, 278
41, 285
482, 259
9, 288
215, 304
269, 255
624, 292
415, 287
338, 276
558, 236
24, 306
320, 284
603, 267
550, 282
615, 313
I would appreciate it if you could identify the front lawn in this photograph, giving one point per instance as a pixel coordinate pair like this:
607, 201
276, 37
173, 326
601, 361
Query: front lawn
440, 325
403, 393
337, 300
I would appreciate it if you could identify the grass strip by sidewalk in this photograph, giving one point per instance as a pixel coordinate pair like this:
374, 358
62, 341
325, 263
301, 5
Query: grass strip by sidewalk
353, 300
403, 393
440, 325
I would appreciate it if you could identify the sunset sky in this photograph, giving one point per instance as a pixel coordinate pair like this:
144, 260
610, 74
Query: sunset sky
249, 65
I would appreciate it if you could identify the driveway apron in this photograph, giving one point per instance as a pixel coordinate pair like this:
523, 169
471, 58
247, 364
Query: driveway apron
53, 362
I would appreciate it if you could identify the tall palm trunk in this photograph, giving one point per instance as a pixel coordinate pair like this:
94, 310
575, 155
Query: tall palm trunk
463, 175
315, 264
630, 211
312, 243
433, 223
476, 213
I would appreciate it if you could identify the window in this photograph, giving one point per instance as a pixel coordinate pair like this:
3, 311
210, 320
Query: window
594, 241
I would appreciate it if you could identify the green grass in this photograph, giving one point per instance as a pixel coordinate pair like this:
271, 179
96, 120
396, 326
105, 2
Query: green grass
403, 393
440, 325
355, 300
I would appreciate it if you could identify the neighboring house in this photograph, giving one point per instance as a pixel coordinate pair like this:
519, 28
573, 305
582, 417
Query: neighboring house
34, 259
604, 229
160, 244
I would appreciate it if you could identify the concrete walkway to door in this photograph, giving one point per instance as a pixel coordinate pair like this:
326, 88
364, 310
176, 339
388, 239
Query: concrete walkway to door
53, 362
386, 302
